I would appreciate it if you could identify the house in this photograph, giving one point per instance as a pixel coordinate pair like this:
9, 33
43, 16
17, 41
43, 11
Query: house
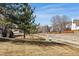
73, 25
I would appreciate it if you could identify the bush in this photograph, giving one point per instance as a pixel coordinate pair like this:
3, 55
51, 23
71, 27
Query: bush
4, 33
11, 34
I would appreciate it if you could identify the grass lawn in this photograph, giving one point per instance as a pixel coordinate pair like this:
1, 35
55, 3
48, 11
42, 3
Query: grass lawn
36, 49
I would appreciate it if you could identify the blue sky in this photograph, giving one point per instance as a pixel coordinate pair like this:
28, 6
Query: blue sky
45, 11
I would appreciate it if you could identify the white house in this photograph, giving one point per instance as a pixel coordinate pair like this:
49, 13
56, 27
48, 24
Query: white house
74, 26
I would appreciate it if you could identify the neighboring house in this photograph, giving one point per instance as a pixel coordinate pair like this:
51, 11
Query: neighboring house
73, 25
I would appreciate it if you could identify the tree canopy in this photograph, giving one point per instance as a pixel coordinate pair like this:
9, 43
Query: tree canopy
59, 23
21, 14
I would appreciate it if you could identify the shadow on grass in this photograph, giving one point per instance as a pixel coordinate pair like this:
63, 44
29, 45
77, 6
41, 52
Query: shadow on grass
24, 42
4, 40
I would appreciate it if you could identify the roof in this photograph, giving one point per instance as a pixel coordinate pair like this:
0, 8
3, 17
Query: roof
75, 21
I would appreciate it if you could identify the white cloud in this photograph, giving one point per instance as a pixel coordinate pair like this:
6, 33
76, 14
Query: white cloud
48, 9
50, 6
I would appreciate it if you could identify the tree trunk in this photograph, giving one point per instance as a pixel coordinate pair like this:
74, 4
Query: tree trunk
24, 34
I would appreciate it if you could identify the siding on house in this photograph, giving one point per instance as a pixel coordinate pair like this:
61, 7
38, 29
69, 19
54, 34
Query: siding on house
74, 25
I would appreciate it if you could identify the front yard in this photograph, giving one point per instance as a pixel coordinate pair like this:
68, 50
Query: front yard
36, 49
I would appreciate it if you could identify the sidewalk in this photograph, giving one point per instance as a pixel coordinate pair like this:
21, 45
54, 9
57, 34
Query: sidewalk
68, 40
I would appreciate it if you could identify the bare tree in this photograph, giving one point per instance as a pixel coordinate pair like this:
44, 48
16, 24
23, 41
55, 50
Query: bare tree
59, 23
43, 29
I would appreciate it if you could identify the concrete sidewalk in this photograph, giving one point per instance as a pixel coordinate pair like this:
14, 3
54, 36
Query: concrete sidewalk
71, 40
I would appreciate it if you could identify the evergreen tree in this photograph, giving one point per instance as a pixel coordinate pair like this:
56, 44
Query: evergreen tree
21, 14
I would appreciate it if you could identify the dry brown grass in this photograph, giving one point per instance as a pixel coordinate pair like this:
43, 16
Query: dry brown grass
19, 48
36, 49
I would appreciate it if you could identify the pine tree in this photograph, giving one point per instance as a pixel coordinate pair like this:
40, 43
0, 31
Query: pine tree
21, 14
